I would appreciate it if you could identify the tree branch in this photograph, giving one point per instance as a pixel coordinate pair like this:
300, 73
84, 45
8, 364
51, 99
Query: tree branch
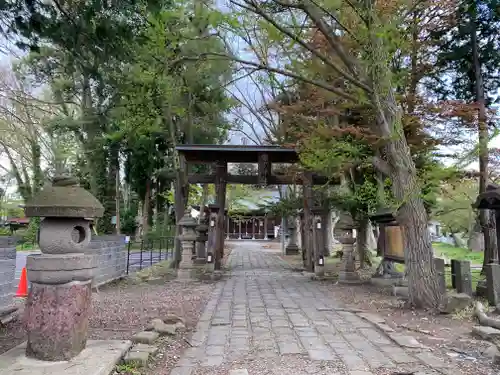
285, 73
255, 9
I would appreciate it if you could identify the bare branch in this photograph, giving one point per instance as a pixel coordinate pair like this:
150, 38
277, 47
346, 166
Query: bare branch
325, 86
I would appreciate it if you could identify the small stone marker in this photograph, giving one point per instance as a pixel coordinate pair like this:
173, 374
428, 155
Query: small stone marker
145, 337
493, 283
463, 277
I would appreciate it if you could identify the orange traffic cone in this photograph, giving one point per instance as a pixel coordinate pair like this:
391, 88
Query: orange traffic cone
22, 288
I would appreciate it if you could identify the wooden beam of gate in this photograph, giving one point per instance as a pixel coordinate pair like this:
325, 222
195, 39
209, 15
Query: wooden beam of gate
255, 180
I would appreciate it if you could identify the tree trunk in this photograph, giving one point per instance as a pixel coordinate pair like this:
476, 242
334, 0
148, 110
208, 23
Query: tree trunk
423, 283
419, 256
117, 202
482, 132
146, 205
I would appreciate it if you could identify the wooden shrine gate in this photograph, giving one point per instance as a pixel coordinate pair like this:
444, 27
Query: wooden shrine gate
220, 155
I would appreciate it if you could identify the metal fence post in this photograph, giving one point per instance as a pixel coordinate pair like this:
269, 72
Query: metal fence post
128, 256
151, 245
140, 258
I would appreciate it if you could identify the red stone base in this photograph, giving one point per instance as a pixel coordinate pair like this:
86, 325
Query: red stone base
57, 319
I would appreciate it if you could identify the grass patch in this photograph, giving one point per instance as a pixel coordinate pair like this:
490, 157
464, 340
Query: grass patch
127, 369
460, 253
27, 247
161, 270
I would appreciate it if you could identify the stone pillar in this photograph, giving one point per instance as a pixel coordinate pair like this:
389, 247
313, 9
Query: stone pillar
201, 240
265, 228
59, 301
292, 248
227, 227
187, 238
239, 223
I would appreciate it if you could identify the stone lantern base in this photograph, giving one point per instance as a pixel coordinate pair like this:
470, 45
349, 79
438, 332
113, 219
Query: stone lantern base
291, 249
58, 307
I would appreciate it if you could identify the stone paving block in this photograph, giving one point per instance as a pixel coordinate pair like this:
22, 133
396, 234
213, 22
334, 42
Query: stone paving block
322, 355
375, 336
405, 341
351, 359
431, 360
289, 348
213, 360
181, 371
397, 354
313, 343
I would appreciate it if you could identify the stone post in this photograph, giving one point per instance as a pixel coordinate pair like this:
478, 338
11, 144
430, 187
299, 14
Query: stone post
265, 228
201, 240
463, 277
440, 269
344, 230
292, 248
187, 238
59, 301
227, 227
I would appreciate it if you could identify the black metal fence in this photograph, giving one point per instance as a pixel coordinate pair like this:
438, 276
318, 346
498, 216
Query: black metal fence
144, 253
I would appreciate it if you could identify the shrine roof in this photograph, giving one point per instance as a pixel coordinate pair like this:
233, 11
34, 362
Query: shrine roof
236, 153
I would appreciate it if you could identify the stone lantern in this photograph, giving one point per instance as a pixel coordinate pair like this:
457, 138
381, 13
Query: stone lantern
201, 239
344, 233
59, 300
291, 247
187, 238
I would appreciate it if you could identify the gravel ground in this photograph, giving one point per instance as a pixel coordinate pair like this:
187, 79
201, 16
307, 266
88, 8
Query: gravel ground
124, 308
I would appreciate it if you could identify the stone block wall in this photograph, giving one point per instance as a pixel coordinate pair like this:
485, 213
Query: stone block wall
7, 272
111, 253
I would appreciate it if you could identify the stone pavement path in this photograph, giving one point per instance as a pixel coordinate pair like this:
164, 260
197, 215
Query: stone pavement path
270, 320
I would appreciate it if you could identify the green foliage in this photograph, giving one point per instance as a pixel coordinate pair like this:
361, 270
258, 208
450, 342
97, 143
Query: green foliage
31, 234
128, 224
454, 207
455, 59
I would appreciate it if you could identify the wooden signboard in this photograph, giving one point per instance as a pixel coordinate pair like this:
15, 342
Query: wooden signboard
394, 244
